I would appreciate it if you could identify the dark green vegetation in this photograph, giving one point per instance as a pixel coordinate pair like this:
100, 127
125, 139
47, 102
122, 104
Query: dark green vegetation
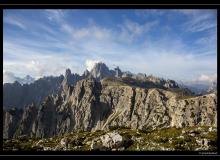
182, 93
170, 139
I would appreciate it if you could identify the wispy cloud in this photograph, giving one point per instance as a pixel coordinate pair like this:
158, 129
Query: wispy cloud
139, 45
38, 63
131, 30
93, 31
147, 13
199, 20
55, 15
14, 21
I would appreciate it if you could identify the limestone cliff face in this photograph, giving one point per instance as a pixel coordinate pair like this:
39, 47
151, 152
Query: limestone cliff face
93, 105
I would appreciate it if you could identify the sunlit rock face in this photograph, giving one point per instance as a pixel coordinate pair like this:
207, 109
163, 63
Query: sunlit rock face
98, 105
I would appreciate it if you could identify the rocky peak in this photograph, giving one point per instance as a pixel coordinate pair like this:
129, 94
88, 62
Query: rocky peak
27, 80
118, 72
16, 83
68, 76
171, 84
68, 80
68, 72
100, 71
127, 74
86, 73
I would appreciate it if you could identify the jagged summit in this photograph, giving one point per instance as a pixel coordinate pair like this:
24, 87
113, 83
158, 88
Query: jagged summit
68, 72
118, 72
100, 71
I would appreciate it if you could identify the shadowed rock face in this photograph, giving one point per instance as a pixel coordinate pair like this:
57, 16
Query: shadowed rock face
17, 95
97, 105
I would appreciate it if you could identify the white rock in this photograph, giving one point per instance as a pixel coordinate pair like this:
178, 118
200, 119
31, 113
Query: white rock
38, 143
111, 140
63, 142
181, 137
47, 148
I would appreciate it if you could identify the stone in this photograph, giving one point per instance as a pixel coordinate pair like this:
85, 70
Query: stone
111, 140
64, 142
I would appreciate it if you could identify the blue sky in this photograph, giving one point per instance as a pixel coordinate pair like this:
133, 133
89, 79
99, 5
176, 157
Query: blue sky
175, 44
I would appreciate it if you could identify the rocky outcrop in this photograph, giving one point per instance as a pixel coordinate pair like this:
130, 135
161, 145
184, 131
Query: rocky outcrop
100, 71
93, 105
109, 141
70, 80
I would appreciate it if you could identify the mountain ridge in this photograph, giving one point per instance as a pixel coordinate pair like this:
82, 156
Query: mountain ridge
53, 85
92, 105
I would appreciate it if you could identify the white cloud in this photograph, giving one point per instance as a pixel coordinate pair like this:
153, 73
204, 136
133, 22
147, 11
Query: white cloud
145, 13
90, 64
167, 57
131, 30
55, 15
199, 20
207, 78
14, 21
208, 41
201, 26
39, 62
9, 77
92, 32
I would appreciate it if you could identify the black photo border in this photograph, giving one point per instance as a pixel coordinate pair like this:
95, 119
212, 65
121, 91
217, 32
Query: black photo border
113, 6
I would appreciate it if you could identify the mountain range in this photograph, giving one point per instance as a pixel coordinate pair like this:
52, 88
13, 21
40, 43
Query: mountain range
101, 99
19, 94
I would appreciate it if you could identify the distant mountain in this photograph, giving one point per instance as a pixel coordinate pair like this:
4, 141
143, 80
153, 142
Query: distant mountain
212, 87
9, 77
27, 80
18, 95
200, 88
